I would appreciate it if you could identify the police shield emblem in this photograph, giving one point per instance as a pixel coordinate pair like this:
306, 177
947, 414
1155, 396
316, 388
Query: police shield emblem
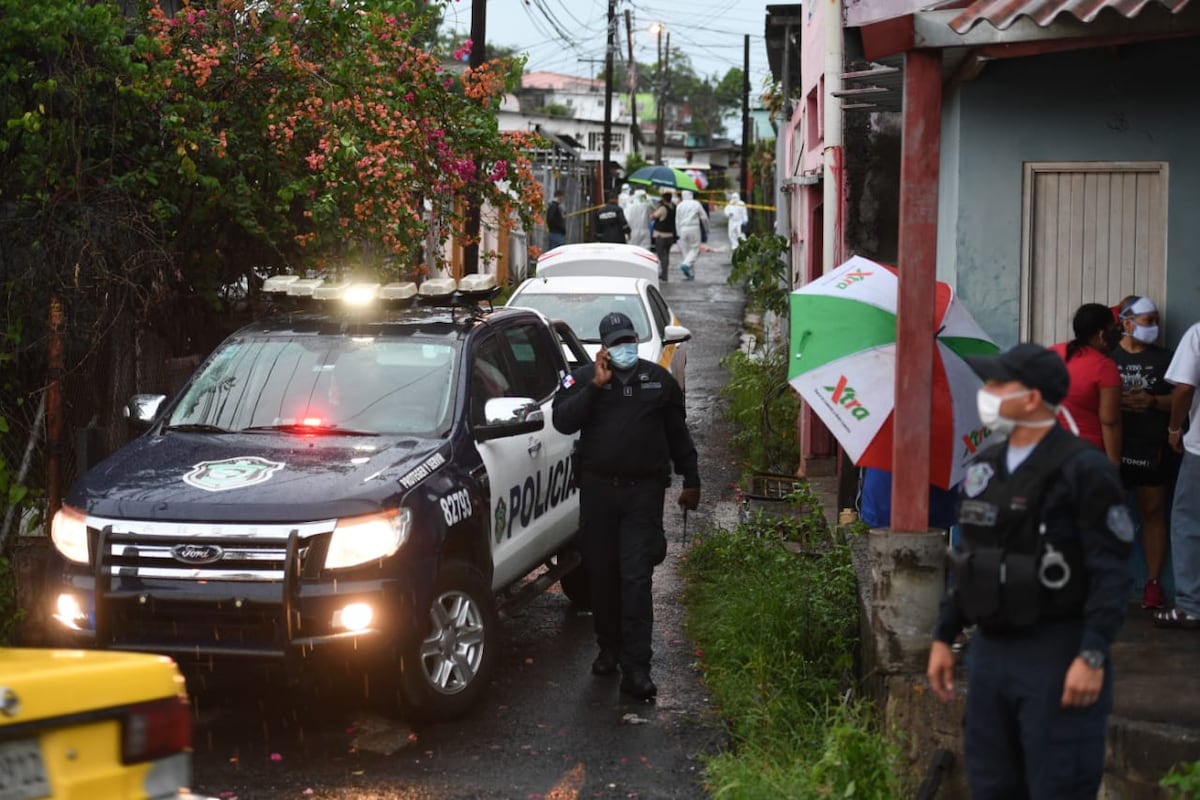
231, 473
1120, 523
501, 519
978, 476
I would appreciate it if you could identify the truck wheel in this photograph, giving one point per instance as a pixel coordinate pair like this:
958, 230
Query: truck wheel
448, 669
577, 587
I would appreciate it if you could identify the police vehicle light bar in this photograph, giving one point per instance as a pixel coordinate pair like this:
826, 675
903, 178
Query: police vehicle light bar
277, 284
440, 288
400, 290
304, 287
477, 284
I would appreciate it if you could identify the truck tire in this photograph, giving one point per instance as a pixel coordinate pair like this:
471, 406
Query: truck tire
446, 671
577, 587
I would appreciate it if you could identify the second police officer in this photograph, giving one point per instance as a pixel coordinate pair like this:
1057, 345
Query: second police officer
630, 416
1042, 570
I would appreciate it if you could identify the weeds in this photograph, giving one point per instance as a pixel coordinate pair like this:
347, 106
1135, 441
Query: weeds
763, 411
777, 636
1182, 782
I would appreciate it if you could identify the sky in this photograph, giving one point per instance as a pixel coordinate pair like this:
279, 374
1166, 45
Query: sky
560, 35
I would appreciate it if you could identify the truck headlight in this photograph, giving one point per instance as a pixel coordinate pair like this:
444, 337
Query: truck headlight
357, 540
68, 530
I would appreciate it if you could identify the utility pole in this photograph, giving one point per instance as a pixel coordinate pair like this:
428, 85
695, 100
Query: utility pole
478, 51
746, 118
662, 94
631, 76
608, 90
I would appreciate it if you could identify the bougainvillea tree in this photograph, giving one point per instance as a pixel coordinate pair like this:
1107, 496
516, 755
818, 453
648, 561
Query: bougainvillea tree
324, 126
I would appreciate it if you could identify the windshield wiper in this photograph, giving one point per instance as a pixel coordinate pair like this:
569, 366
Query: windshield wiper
196, 427
320, 430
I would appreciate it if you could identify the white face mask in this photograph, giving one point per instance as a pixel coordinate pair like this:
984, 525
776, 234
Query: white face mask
988, 405
1146, 334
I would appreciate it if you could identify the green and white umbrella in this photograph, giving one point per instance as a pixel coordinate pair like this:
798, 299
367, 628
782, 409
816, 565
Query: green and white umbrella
843, 363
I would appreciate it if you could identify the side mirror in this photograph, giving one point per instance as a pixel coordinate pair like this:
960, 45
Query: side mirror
142, 409
676, 334
509, 416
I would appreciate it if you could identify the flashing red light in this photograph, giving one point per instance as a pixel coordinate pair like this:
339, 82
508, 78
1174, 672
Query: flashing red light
312, 422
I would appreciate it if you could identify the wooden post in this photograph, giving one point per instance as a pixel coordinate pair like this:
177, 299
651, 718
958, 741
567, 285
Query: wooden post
915, 314
502, 250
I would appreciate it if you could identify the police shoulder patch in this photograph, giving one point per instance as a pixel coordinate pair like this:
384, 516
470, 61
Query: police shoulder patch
1120, 523
568, 381
978, 476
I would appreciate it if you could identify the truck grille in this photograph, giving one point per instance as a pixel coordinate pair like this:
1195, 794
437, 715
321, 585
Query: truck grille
201, 552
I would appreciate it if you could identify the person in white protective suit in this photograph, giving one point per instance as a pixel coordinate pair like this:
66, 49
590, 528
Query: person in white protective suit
691, 224
637, 213
737, 216
624, 197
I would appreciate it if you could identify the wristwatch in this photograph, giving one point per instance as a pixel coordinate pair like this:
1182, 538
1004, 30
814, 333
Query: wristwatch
1093, 658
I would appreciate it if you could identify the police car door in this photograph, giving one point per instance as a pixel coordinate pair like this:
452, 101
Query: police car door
554, 512
514, 466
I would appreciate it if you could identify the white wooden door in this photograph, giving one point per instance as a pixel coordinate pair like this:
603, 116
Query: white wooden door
1092, 232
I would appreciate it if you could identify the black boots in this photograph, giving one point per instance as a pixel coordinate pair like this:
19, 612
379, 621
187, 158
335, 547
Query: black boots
636, 683
605, 663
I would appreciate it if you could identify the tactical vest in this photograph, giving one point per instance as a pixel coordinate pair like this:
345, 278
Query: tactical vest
1007, 574
666, 225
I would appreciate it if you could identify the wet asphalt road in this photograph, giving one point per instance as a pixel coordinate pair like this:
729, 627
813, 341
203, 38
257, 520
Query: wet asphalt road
547, 728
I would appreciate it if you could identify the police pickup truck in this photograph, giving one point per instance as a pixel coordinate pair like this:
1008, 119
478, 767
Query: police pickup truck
374, 483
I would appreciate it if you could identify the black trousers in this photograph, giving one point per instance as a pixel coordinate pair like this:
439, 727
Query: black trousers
662, 249
623, 539
1020, 743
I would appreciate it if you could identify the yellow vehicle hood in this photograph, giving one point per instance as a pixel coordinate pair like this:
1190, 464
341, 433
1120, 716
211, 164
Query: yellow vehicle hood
52, 683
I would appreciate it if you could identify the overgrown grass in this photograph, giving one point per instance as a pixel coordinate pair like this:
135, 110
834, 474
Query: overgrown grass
777, 635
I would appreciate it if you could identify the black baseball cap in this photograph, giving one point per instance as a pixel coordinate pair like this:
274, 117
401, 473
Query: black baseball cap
614, 327
1029, 364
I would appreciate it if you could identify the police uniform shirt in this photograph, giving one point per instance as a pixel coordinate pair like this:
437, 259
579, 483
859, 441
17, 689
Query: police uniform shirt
610, 224
1085, 503
632, 427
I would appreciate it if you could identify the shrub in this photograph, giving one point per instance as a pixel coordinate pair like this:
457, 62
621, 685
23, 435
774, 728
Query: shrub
763, 410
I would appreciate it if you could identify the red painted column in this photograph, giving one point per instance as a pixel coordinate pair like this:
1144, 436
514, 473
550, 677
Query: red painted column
918, 274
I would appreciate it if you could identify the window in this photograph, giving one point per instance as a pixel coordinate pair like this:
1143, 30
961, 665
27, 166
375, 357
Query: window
596, 141
662, 314
376, 385
533, 360
490, 376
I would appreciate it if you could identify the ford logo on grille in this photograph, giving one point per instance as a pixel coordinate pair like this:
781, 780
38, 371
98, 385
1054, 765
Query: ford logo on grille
197, 553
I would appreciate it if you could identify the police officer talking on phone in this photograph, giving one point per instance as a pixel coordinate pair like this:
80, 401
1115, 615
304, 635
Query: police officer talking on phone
630, 414
1043, 571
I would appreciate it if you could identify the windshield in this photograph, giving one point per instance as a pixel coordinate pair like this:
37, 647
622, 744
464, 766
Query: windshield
583, 312
363, 385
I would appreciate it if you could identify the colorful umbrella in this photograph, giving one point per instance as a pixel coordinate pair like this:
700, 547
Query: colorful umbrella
843, 346
666, 177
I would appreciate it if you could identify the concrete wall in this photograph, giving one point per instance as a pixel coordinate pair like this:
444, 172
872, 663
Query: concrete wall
1133, 103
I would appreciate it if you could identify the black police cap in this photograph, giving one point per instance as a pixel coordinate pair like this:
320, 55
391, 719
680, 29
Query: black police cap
1029, 364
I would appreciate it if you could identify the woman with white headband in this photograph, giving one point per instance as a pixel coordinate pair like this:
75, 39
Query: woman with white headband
1147, 463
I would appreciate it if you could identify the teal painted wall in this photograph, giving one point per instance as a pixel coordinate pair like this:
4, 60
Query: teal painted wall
1134, 103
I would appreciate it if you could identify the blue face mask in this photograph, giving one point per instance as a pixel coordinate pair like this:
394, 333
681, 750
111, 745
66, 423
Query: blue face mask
623, 356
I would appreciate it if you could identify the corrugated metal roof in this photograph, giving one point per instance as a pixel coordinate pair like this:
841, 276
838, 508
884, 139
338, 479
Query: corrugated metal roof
1003, 13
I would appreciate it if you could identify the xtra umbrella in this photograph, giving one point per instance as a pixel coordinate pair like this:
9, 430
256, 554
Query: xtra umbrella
666, 177
698, 176
843, 363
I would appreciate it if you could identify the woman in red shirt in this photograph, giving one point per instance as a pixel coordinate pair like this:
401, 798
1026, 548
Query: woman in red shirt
1094, 399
